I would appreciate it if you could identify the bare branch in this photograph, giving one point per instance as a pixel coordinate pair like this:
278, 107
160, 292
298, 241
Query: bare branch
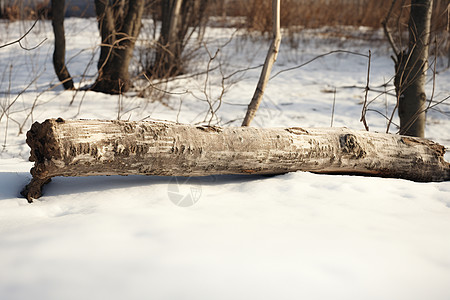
18, 41
317, 57
364, 109
387, 32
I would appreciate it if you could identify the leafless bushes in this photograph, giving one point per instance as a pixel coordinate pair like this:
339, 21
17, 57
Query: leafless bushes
21, 10
319, 13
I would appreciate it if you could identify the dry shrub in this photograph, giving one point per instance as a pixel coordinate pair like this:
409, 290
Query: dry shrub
319, 13
11, 13
18, 10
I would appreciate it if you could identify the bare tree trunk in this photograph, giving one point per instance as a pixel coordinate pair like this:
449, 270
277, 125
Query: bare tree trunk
119, 24
166, 63
411, 71
270, 60
59, 53
179, 20
94, 147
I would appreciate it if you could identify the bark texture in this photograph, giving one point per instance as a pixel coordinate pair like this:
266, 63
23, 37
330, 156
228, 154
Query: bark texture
59, 53
119, 24
411, 69
95, 147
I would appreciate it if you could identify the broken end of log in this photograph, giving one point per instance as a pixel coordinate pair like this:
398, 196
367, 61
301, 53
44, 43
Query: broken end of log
42, 142
44, 148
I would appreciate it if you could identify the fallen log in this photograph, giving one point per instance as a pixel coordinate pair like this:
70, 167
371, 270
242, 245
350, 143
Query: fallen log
99, 147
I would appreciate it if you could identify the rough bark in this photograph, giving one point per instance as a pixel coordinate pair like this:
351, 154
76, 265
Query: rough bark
270, 60
119, 24
411, 71
59, 53
95, 147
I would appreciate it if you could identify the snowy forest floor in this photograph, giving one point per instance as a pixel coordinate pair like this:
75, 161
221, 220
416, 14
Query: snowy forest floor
297, 235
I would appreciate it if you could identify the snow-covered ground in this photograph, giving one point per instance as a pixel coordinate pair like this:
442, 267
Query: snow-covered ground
292, 236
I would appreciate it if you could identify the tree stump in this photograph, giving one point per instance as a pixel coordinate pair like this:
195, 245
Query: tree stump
104, 147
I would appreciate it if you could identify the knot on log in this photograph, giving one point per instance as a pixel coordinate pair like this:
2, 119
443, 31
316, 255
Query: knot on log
208, 128
297, 130
349, 144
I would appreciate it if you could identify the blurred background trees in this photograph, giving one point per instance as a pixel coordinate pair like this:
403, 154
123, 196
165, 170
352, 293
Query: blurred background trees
177, 22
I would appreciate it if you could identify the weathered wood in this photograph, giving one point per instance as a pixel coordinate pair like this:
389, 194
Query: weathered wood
96, 147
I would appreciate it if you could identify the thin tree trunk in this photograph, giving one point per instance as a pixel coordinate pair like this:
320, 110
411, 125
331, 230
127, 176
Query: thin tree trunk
411, 72
270, 60
119, 25
59, 53
167, 61
180, 18
94, 147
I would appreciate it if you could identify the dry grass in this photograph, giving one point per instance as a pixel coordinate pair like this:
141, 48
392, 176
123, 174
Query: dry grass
319, 13
19, 10
299, 14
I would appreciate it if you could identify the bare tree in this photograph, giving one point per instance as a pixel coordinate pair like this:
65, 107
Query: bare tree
410, 68
59, 53
179, 20
411, 76
119, 23
270, 60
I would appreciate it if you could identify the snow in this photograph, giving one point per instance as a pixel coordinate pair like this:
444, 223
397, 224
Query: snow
292, 236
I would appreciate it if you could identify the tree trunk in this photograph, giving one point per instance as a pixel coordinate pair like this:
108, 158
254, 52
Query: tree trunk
179, 20
270, 60
167, 60
94, 147
411, 71
119, 23
59, 53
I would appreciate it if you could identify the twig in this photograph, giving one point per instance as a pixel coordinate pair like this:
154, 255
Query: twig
179, 109
332, 109
222, 93
18, 41
385, 100
367, 89
387, 32
315, 58
385, 116
243, 70
205, 86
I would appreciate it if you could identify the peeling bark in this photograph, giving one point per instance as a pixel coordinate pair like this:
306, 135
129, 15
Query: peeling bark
97, 147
